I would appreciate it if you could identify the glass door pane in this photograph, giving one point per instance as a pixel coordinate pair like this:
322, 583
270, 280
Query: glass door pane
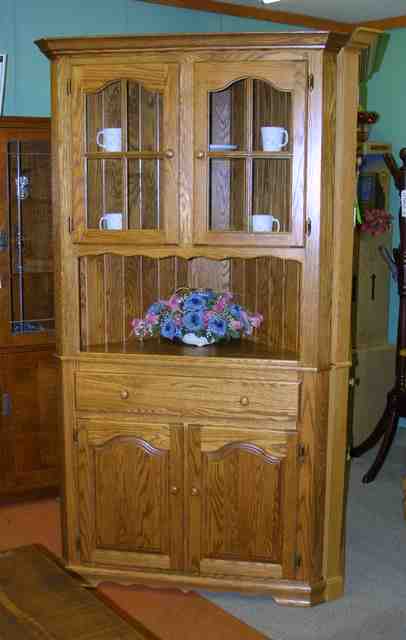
31, 255
272, 111
227, 118
271, 206
227, 195
124, 149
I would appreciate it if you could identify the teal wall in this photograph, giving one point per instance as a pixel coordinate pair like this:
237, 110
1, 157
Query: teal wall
387, 96
23, 21
28, 85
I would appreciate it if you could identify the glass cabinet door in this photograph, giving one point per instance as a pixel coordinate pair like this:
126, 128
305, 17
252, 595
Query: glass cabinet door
125, 150
249, 153
30, 228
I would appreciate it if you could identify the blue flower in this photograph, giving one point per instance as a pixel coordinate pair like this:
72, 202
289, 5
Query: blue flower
217, 326
235, 310
156, 308
168, 329
195, 302
193, 320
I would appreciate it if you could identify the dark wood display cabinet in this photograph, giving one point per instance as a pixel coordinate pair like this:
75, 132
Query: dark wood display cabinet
28, 367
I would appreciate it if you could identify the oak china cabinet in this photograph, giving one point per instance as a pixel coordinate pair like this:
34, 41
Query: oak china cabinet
28, 368
224, 466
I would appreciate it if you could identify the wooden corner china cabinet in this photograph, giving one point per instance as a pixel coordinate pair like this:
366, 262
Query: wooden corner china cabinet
224, 466
28, 367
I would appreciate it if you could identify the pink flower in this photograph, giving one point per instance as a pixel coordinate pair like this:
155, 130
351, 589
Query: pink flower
256, 320
235, 325
174, 302
152, 318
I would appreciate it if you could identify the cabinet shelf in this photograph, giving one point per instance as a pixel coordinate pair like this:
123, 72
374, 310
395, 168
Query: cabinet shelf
239, 349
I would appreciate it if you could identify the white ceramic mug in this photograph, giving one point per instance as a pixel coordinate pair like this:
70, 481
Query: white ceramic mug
274, 138
111, 221
265, 222
109, 139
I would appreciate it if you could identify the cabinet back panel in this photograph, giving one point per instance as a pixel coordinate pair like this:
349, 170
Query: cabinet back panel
115, 289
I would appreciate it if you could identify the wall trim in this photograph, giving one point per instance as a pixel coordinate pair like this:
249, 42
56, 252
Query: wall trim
242, 11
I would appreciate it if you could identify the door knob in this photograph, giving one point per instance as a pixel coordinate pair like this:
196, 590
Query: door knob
174, 490
124, 394
195, 491
169, 153
200, 155
244, 401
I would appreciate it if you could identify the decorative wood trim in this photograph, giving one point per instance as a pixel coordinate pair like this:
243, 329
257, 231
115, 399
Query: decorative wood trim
332, 41
242, 11
387, 23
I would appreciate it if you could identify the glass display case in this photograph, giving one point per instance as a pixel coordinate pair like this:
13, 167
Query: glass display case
28, 368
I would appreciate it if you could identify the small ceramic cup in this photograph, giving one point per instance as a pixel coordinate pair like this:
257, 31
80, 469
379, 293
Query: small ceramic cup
274, 138
111, 221
109, 139
265, 222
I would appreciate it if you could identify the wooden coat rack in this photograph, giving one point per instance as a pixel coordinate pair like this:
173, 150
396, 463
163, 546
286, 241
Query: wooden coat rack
395, 407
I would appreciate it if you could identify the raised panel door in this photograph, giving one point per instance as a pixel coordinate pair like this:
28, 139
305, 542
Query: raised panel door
130, 494
125, 153
242, 501
30, 429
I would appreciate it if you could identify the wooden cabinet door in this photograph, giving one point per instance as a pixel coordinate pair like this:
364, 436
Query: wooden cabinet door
249, 190
125, 152
30, 419
130, 493
7, 462
242, 488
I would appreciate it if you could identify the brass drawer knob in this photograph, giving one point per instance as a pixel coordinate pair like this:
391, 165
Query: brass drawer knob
169, 153
124, 394
244, 401
174, 490
195, 491
200, 155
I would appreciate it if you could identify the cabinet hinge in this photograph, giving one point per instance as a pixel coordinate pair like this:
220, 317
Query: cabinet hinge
297, 560
70, 225
69, 87
301, 452
77, 544
308, 226
310, 82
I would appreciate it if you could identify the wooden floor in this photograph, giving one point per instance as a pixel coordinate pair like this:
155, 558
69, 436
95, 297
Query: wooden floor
170, 614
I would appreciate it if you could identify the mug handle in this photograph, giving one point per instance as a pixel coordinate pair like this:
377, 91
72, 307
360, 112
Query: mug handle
278, 224
286, 136
98, 136
102, 219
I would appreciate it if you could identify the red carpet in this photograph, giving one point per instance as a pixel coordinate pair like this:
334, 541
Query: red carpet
171, 614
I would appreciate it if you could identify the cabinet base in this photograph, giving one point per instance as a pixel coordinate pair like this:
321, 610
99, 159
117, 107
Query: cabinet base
284, 592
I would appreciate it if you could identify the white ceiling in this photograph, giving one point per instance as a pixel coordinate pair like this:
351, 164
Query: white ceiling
341, 10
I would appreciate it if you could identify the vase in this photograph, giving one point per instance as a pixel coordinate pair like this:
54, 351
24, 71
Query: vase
196, 341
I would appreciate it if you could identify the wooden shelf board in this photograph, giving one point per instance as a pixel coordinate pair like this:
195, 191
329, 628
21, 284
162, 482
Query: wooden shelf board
238, 349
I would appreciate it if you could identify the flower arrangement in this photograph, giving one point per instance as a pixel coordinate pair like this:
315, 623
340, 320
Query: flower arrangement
198, 317
376, 221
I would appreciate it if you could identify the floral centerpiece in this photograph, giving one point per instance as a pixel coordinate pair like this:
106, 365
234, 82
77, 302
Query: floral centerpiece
375, 221
197, 317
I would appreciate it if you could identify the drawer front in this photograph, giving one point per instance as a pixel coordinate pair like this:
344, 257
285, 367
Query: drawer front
183, 396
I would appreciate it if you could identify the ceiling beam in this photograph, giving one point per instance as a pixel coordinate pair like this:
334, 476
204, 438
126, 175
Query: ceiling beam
243, 11
386, 23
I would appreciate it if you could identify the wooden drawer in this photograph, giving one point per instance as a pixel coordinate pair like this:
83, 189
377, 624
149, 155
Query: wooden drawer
183, 396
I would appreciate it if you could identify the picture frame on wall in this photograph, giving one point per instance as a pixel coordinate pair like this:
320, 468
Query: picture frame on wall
3, 65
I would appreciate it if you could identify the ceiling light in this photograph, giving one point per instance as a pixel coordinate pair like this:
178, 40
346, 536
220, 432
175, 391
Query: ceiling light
269, 1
